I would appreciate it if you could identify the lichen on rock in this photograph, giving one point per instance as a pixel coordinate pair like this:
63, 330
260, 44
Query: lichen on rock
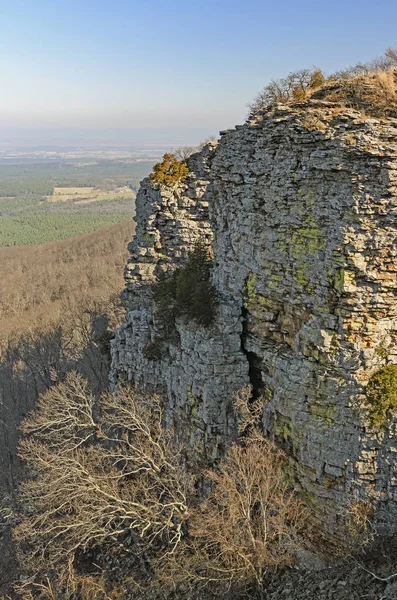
301, 221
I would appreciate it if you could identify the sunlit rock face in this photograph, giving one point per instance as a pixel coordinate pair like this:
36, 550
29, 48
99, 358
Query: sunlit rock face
300, 206
198, 369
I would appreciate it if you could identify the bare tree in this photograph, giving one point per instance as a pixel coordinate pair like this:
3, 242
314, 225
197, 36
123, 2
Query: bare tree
184, 152
251, 520
391, 54
107, 477
110, 478
381, 63
293, 87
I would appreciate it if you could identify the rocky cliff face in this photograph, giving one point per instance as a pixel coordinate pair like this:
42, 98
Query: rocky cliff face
300, 206
200, 371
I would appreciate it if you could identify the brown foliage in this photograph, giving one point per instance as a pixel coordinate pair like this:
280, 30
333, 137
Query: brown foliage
357, 521
31, 362
381, 63
295, 87
248, 411
317, 79
58, 304
250, 521
36, 282
108, 478
370, 87
373, 93
100, 475
64, 586
313, 123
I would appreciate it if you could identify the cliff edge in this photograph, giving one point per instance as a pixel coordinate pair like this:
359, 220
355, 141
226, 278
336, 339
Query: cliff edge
299, 206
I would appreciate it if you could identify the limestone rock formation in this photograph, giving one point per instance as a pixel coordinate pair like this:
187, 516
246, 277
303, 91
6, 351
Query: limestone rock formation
300, 206
200, 371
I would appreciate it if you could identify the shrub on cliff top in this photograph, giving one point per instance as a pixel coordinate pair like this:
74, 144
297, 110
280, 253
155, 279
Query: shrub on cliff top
170, 170
371, 87
382, 394
293, 87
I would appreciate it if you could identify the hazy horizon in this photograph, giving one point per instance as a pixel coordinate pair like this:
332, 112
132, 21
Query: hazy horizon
172, 65
137, 138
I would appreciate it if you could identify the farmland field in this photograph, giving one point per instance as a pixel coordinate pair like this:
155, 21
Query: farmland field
46, 202
86, 195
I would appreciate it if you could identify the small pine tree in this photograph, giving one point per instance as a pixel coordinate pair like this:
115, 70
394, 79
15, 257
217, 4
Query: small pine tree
188, 291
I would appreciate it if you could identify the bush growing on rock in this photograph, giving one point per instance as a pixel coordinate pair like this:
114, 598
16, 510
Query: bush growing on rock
370, 87
382, 395
170, 171
187, 291
293, 87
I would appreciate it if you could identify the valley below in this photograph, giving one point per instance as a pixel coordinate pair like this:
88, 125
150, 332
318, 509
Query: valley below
47, 201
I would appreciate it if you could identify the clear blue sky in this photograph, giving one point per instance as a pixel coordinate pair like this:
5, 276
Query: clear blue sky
170, 63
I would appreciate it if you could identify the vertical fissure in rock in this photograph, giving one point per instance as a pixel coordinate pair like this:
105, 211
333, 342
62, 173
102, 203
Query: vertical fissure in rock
254, 361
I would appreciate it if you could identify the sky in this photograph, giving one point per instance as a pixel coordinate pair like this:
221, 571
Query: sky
170, 64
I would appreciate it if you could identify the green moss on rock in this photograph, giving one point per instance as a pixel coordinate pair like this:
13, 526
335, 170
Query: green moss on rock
250, 293
382, 395
343, 278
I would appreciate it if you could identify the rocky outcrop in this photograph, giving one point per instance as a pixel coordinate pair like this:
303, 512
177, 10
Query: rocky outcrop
200, 370
300, 203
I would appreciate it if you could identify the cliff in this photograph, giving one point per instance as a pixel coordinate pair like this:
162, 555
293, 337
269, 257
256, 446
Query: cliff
299, 205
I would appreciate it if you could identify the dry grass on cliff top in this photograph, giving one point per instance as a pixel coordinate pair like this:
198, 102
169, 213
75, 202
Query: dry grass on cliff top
375, 94
37, 282
370, 88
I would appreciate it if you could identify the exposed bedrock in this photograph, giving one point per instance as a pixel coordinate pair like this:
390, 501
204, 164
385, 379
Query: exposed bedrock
300, 205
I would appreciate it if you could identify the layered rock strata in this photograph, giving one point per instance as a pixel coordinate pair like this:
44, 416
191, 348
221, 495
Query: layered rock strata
200, 369
300, 203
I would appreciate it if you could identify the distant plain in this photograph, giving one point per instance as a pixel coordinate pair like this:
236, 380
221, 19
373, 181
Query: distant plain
50, 200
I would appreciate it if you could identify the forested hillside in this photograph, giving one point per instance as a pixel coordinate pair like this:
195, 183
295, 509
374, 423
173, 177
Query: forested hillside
37, 283
50, 201
58, 304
